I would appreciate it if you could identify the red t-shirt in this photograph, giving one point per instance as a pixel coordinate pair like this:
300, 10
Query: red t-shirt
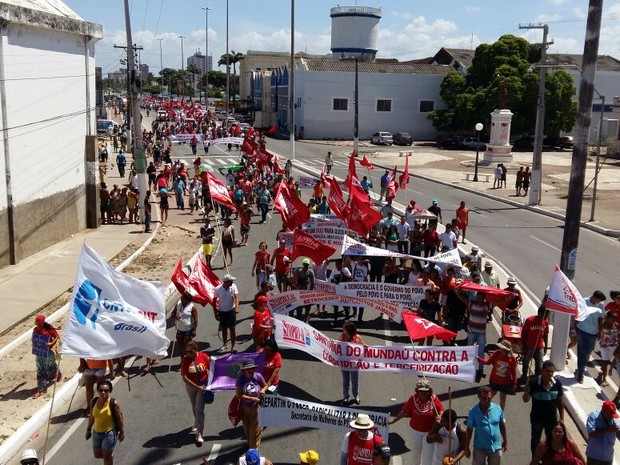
196, 370
361, 451
533, 333
279, 254
262, 258
504, 371
273, 361
262, 319
422, 412
613, 306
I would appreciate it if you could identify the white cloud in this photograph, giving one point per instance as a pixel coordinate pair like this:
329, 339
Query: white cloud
472, 9
559, 2
543, 18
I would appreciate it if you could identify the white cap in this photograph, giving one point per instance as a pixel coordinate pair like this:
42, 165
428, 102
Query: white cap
29, 454
228, 277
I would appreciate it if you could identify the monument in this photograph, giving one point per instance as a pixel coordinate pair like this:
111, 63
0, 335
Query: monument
499, 149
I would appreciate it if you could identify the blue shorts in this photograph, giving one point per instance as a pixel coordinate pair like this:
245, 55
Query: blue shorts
106, 441
96, 372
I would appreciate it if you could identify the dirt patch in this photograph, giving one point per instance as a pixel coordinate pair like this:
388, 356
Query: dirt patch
18, 369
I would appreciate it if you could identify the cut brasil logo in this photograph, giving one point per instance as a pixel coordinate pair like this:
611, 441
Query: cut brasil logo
88, 304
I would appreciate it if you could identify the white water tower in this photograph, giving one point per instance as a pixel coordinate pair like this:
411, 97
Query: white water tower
354, 32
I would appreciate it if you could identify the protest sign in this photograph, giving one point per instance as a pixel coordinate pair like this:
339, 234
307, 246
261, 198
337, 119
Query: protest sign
306, 182
224, 370
409, 296
185, 138
328, 232
288, 301
295, 413
447, 362
39, 344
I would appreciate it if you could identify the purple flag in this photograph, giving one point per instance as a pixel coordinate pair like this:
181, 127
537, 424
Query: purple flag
226, 369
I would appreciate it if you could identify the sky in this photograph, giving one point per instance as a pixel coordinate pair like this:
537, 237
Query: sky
407, 29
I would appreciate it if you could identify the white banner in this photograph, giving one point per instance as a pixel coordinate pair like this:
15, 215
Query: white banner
227, 140
447, 362
184, 138
327, 232
295, 413
321, 218
112, 314
288, 301
355, 248
306, 182
409, 296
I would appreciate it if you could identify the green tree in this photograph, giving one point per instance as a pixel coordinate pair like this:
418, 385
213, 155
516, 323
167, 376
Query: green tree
509, 62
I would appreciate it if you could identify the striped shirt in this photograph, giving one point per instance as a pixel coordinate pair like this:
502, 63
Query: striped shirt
478, 313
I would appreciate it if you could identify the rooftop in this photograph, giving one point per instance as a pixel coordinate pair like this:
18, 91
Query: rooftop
383, 67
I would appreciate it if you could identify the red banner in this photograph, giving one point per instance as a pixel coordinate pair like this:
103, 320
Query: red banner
361, 215
420, 328
219, 192
392, 187
249, 146
351, 175
305, 245
294, 212
494, 295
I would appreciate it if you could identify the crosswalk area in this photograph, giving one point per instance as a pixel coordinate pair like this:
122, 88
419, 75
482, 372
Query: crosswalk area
221, 160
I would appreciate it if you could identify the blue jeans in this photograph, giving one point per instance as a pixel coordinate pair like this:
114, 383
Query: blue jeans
350, 377
585, 346
481, 340
264, 209
537, 431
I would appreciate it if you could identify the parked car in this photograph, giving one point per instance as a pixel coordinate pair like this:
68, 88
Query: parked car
471, 143
245, 119
523, 144
560, 142
162, 115
403, 138
106, 126
382, 137
447, 141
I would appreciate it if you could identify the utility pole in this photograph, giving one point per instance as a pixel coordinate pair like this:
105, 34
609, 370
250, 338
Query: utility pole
128, 82
161, 67
139, 158
291, 83
536, 184
574, 203
182, 59
356, 110
227, 68
206, 8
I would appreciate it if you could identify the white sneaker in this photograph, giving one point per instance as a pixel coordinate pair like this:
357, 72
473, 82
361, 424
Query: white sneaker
222, 349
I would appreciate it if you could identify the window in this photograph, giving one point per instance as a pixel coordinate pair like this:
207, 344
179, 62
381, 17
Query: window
426, 106
341, 104
384, 105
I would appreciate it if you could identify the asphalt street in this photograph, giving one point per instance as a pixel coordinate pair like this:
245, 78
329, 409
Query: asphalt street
156, 408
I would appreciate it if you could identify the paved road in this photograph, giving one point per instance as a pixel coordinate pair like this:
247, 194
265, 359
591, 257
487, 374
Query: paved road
157, 410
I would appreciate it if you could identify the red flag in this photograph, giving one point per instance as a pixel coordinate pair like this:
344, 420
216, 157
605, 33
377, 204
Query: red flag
219, 192
294, 212
403, 179
365, 163
419, 328
351, 175
305, 245
336, 202
326, 182
264, 156
361, 215
392, 187
272, 130
494, 295
277, 168
249, 146
203, 281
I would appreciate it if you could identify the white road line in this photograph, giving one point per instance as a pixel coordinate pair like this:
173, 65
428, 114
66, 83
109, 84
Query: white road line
546, 243
340, 163
208, 162
220, 160
215, 451
232, 160
397, 460
65, 437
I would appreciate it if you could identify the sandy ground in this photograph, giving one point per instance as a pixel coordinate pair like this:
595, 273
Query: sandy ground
18, 369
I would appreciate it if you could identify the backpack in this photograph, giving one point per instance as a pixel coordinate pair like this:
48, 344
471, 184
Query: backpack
112, 409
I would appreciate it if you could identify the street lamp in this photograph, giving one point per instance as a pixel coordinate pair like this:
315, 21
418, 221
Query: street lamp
479, 128
207, 56
227, 67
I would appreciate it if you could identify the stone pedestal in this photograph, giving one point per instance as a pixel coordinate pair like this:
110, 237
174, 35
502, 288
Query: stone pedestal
499, 149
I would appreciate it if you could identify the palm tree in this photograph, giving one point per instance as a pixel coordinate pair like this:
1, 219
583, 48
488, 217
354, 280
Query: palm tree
233, 59
194, 71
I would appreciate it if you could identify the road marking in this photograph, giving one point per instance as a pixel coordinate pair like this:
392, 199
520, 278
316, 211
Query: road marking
65, 437
220, 160
397, 460
232, 160
479, 214
340, 163
208, 162
215, 450
546, 243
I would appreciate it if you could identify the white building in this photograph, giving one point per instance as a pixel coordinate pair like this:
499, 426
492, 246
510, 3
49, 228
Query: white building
47, 110
392, 97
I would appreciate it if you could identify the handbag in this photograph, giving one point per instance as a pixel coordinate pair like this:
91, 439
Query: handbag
208, 395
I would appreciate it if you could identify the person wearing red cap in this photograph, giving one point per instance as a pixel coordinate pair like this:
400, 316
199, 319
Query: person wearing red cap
263, 321
44, 340
603, 426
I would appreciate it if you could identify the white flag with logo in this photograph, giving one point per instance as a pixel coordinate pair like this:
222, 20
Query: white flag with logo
112, 314
565, 298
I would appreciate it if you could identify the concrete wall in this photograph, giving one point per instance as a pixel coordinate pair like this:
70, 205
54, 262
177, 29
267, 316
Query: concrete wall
318, 89
46, 99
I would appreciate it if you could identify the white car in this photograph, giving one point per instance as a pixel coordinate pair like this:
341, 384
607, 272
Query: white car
381, 138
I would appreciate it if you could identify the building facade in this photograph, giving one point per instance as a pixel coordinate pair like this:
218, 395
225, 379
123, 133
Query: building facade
47, 113
198, 59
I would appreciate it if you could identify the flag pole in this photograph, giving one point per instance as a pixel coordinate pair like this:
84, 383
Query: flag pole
49, 416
